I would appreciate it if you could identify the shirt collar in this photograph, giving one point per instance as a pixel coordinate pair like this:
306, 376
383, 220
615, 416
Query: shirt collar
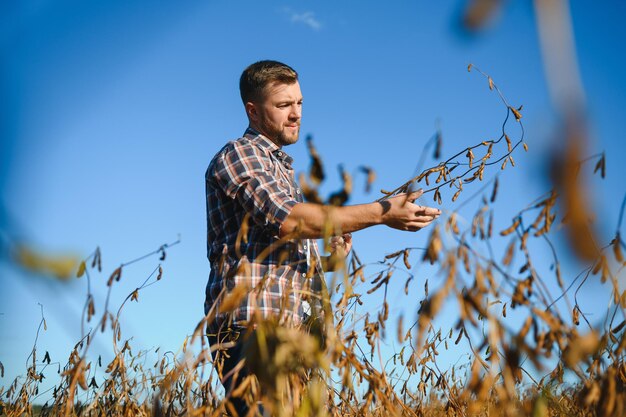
271, 147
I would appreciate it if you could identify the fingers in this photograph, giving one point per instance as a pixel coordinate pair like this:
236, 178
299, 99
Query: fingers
418, 225
347, 238
403, 214
427, 211
410, 197
421, 210
341, 241
425, 219
337, 242
420, 221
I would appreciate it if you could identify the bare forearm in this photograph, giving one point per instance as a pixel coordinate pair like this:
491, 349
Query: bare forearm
313, 221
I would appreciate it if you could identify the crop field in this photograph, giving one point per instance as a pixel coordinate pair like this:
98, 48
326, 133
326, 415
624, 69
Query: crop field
529, 348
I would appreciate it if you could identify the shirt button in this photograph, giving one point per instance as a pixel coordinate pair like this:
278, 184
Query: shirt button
280, 154
297, 191
304, 275
304, 246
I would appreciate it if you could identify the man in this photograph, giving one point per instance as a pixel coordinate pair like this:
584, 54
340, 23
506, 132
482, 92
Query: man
261, 234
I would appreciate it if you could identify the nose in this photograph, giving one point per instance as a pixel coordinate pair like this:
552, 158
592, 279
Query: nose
296, 112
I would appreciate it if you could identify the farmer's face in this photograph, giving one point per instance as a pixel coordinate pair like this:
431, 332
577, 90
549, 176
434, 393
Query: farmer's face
278, 113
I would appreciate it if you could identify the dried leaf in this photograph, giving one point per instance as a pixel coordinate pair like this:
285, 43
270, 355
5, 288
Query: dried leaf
619, 327
456, 195
559, 278
516, 113
438, 144
601, 165
406, 285
339, 198
116, 275
510, 251
316, 172
406, 259
579, 348
385, 313
453, 224
470, 156
617, 248
113, 365
82, 382
379, 282
511, 228
393, 255
434, 246
478, 12
458, 338
234, 298
81, 269
310, 194
509, 145
548, 318
581, 234
91, 309
97, 260
526, 327
494, 192
371, 177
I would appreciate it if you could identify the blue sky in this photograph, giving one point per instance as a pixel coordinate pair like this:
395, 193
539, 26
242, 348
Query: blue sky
112, 111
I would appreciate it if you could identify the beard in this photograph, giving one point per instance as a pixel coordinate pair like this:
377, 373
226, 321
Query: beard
284, 138
280, 135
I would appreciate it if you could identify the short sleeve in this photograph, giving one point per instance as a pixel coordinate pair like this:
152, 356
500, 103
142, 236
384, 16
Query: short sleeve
244, 172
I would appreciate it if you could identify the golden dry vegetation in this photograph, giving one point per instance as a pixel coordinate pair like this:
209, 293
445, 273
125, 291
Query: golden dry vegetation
532, 350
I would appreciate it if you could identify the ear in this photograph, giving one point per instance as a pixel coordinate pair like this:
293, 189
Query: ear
251, 111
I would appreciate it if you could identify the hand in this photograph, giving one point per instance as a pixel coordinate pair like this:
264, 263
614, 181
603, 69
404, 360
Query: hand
399, 212
341, 245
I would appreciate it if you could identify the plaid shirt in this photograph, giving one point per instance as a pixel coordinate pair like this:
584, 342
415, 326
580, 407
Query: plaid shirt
250, 191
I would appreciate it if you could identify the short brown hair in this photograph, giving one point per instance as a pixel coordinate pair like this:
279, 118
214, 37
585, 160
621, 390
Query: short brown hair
257, 76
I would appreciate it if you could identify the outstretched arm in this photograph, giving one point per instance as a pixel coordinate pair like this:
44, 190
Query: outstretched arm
309, 220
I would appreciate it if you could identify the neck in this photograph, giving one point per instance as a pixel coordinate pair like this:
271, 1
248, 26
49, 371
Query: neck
271, 139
